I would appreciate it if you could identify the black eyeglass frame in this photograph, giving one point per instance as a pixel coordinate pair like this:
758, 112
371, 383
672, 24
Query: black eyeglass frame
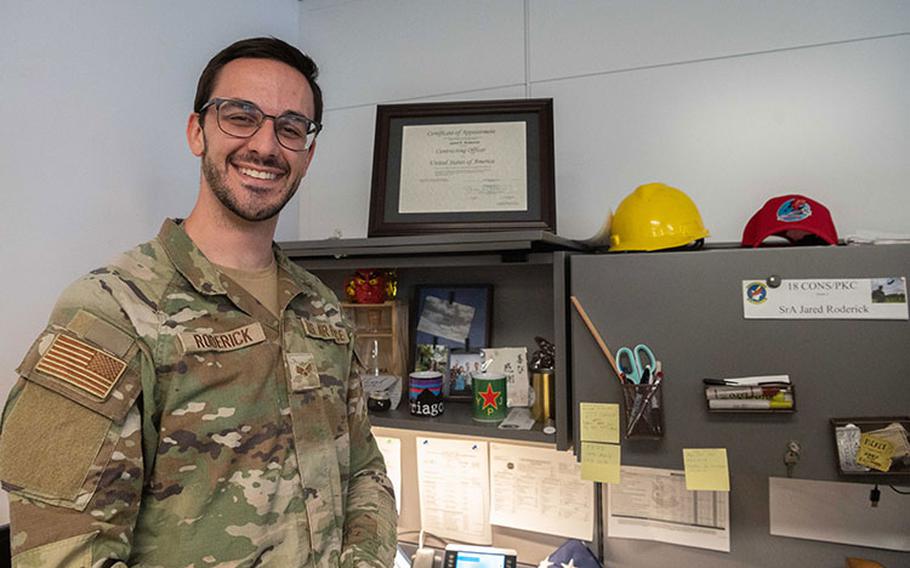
313, 127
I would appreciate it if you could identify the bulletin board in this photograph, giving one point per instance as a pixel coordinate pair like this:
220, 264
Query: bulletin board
688, 307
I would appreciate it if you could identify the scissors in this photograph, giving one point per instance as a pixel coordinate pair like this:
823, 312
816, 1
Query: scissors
636, 364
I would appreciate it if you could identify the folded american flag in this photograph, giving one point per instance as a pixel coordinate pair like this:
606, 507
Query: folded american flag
572, 554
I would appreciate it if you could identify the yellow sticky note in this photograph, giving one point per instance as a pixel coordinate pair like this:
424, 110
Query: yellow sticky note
706, 469
874, 452
600, 462
599, 422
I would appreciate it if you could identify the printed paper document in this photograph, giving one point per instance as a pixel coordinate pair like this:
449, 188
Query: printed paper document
654, 504
540, 490
453, 478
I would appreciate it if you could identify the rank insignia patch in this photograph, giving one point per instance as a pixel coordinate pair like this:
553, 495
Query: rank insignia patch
302, 371
81, 366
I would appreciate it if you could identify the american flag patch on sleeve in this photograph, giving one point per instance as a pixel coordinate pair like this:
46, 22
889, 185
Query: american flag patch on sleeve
82, 366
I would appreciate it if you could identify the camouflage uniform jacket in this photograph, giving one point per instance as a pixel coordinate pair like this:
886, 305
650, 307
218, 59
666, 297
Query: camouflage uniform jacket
166, 418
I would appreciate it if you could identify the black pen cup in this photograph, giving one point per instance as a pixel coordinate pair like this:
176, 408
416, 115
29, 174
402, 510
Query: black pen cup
643, 410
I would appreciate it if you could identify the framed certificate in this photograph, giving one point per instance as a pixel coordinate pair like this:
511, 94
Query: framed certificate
463, 166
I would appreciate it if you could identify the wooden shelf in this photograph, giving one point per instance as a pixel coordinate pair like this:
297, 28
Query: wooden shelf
386, 325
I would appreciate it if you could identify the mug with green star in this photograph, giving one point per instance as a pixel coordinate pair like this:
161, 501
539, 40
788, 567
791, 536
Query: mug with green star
489, 397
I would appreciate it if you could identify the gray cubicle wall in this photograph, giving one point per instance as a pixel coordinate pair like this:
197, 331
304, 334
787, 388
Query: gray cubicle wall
687, 306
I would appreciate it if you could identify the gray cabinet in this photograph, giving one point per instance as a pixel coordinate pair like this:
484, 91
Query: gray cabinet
688, 307
527, 270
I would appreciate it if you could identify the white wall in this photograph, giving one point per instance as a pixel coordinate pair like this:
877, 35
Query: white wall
94, 97
731, 101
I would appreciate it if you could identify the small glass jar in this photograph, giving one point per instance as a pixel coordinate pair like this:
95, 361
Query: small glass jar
379, 402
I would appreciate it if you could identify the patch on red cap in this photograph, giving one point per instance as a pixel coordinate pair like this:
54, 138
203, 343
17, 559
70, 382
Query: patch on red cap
797, 218
794, 210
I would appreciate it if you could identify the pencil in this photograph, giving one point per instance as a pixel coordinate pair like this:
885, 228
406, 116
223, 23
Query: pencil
590, 325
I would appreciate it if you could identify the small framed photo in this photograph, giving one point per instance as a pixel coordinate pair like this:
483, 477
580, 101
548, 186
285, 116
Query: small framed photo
463, 166
889, 290
457, 385
432, 358
457, 316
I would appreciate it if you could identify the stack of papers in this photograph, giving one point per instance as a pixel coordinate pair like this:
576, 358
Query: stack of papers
876, 238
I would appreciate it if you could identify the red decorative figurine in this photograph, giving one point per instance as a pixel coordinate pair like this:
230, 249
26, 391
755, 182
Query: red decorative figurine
371, 286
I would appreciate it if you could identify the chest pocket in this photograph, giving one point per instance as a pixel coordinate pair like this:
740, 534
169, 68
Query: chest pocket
317, 376
318, 381
318, 354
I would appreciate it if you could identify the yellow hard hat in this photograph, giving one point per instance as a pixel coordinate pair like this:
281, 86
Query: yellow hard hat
653, 217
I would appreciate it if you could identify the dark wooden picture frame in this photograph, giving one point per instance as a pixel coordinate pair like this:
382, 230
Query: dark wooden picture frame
478, 296
386, 217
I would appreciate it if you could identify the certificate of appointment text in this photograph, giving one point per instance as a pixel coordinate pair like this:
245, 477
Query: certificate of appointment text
470, 167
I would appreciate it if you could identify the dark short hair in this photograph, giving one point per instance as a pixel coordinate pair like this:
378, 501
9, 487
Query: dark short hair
259, 48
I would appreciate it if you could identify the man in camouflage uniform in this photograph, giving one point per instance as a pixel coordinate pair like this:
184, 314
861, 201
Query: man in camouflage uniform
174, 415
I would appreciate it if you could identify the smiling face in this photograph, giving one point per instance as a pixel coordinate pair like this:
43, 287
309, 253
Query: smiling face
254, 177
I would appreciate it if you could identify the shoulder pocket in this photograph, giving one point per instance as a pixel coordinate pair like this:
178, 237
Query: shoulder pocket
67, 412
90, 362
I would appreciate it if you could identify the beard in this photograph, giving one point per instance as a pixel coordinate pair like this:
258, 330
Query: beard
252, 212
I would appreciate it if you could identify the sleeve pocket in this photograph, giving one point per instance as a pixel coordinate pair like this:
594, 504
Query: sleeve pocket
66, 413
54, 450
84, 385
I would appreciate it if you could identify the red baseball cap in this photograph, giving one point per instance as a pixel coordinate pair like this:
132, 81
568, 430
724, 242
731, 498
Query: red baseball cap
797, 218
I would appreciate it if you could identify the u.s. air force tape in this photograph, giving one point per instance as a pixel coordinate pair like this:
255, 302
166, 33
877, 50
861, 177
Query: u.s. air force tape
194, 342
324, 330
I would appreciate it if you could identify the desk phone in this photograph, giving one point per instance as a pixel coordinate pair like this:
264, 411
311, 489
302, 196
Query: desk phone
465, 556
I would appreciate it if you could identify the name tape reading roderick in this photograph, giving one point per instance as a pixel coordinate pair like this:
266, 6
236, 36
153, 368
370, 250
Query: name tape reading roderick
239, 338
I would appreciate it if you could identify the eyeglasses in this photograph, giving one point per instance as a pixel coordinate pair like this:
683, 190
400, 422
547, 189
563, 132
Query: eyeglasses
243, 119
